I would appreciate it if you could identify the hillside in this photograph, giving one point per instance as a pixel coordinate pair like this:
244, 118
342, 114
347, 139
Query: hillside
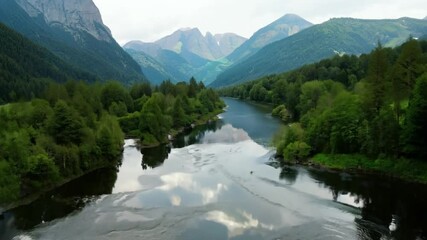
336, 36
192, 54
283, 27
26, 67
74, 32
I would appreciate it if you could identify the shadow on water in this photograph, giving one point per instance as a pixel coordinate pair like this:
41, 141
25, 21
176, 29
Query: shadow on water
59, 203
388, 207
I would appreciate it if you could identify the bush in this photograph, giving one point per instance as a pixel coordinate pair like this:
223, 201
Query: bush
296, 151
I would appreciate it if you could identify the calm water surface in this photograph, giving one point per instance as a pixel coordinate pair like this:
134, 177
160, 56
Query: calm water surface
221, 182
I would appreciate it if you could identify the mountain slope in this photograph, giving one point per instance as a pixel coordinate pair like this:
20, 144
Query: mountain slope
186, 53
345, 35
72, 30
208, 47
153, 70
25, 67
283, 27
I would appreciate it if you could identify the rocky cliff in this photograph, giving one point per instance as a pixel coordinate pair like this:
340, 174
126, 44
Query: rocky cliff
72, 15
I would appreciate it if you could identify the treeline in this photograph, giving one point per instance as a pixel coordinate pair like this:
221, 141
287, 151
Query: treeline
75, 127
374, 104
155, 114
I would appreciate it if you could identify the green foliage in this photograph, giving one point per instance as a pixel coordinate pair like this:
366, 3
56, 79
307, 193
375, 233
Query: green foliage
26, 68
66, 125
114, 92
415, 128
403, 168
104, 58
9, 183
351, 105
296, 151
42, 168
335, 37
282, 113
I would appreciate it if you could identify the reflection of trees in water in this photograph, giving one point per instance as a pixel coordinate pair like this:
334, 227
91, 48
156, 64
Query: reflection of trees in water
154, 157
65, 199
196, 135
382, 199
289, 174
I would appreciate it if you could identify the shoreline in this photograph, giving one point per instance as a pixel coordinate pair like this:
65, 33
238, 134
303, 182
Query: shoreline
28, 199
34, 196
410, 171
176, 132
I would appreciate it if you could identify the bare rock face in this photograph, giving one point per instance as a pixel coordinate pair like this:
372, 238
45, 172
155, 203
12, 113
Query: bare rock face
73, 15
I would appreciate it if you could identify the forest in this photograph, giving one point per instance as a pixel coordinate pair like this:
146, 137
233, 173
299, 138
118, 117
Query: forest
74, 127
364, 111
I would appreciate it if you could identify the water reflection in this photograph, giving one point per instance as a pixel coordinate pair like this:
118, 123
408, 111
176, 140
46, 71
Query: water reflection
391, 209
218, 182
59, 202
289, 174
196, 134
154, 157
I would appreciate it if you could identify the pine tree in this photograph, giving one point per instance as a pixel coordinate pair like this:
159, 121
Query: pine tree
415, 129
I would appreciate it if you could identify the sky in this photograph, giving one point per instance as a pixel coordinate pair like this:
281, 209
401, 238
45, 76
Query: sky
150, 20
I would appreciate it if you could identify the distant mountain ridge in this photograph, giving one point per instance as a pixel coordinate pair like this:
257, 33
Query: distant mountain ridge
184, 54
283, 27
191, 40
73, 30
336, 36
204, 57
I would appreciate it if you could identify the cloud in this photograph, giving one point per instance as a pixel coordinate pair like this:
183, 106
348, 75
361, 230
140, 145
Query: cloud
151, 20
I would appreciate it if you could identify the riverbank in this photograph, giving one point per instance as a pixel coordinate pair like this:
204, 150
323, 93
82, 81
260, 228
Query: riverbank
213, 116
404, 169
28, 199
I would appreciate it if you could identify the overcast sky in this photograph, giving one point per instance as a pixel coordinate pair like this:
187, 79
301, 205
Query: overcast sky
149, 20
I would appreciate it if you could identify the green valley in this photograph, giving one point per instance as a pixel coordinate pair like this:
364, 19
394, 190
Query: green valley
374, 105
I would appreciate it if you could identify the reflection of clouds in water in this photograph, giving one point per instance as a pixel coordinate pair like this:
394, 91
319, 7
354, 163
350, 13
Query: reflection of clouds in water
227, 134
351, 200
236, 225
175, 200
186, 182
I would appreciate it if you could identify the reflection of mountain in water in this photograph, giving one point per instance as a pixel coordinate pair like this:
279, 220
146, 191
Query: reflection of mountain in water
386, 204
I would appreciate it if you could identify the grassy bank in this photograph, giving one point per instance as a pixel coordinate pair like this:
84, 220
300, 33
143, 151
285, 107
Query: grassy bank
409, 170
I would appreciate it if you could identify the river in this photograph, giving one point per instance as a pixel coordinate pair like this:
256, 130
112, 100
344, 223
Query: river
221, 182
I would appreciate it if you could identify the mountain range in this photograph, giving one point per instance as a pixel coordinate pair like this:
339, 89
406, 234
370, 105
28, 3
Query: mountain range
184, 53
336, 36
204, 57
72, 30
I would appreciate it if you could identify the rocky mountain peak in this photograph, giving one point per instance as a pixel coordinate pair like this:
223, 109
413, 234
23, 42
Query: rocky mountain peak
72, 15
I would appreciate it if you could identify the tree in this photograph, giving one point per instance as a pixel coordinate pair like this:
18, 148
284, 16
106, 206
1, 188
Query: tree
65, 125
178, 114
409, 62
378, 65
115, 92
296, 151
415, 128
153, 121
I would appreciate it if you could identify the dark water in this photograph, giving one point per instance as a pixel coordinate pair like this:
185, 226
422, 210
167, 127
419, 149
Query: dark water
220, 182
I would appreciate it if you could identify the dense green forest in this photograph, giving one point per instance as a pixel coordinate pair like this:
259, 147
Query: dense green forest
26, 67
75, 127
373, 106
